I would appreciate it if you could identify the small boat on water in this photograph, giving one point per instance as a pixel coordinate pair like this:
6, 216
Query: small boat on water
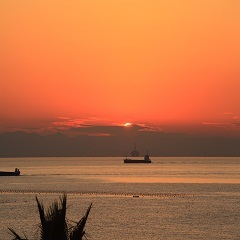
15, 173
131, 160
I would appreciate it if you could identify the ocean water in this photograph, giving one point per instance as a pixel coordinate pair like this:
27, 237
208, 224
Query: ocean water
177, 198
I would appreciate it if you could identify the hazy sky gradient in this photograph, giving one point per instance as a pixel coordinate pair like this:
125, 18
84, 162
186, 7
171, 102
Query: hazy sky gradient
171, 64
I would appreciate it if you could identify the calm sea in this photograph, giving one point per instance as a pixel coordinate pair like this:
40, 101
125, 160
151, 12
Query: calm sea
177, 198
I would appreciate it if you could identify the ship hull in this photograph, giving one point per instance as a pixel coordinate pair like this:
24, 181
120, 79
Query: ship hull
136, 161
9, 173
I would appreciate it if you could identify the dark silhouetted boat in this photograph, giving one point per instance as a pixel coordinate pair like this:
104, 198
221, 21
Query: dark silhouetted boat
16, 173
132, 160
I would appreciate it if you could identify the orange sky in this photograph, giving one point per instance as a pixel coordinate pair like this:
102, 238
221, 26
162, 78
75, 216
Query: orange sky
167, 63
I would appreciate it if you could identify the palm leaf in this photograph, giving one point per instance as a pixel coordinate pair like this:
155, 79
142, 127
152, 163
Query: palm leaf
42, 218
16, 236
53, 223
78, 232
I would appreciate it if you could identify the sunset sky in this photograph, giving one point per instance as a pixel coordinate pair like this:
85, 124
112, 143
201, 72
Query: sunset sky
169, 65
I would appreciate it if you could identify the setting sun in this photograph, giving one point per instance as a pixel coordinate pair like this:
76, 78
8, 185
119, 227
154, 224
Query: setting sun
127, 124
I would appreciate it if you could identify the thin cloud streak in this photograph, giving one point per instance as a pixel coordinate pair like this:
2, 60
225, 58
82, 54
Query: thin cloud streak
223, 124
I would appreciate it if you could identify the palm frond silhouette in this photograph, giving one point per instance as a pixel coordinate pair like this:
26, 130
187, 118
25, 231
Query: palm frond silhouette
54, 225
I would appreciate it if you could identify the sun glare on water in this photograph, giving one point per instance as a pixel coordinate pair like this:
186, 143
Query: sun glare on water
127, 124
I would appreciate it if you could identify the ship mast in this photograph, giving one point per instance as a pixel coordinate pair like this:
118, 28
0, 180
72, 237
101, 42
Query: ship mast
135, 152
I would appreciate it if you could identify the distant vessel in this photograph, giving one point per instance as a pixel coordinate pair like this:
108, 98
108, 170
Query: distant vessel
135, 152
16, 173
132, 160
